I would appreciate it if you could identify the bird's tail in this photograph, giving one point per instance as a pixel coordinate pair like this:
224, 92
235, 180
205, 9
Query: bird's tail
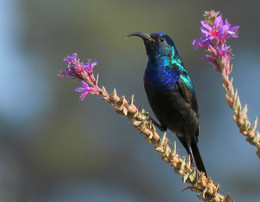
193, 151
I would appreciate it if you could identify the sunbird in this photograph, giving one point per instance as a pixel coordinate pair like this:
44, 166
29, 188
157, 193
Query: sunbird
171, 93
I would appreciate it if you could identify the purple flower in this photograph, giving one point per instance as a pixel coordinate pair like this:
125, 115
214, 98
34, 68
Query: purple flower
214, 33
209, 31
71, 59
90, 65
77, 69
203, 42
86, 89
226, 31
83, 72
231, 31
74, 67
219, 30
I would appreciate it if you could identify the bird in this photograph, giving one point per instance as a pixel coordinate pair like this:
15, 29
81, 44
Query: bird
171, 93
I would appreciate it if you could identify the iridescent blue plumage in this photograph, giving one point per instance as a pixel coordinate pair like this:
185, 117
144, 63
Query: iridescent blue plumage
171, 93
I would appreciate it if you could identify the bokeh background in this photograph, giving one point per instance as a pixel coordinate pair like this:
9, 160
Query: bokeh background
55, 148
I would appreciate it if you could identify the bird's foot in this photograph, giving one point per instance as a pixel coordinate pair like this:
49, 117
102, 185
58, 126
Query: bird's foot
161, 127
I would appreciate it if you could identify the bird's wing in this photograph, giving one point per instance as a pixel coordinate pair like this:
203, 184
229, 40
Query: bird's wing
188, 93
187, 90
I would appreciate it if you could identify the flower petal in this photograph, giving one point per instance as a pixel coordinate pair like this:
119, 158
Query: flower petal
83, 96
218, 22
80, 89
206, 25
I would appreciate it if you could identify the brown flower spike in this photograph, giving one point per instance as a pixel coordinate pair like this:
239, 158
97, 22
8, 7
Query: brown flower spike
214, 34
207, 190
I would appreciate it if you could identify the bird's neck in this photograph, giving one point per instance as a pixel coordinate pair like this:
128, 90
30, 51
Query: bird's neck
162, 72
165, 57
164, 64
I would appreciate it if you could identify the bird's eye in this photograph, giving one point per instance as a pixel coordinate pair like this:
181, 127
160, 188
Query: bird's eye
161, 39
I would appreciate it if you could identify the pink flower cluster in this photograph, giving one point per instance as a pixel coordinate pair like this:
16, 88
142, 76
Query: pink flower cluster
214, 34
83, 72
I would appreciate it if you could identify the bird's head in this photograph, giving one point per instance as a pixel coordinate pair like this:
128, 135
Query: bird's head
156, 43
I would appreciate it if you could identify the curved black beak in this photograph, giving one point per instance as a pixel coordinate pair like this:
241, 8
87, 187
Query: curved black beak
141, 35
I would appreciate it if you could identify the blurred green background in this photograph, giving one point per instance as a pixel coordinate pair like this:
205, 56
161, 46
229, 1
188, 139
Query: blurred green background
55, 148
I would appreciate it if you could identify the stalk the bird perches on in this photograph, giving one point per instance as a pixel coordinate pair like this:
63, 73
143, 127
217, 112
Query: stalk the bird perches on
171, 93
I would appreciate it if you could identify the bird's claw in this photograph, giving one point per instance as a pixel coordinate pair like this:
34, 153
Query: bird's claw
161, 128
